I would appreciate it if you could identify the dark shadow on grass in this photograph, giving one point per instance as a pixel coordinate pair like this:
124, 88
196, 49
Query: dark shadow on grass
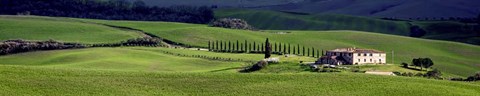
411, 68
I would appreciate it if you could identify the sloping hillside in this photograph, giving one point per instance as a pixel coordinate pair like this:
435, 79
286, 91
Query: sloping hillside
274, 20
45, 28
459, 60
386, 8
377, 8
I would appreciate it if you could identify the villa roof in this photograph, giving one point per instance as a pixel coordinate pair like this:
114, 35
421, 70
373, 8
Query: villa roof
355, 50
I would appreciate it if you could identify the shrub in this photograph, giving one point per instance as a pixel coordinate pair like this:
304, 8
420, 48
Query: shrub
232, 23
435, 73
255, 67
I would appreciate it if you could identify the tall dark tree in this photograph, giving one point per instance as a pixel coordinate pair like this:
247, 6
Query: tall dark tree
284, 48
258, 48
246, 45
225, 46
313, 52
254, 46
209, 47
237, 48
229, 47
303, 49
216, 45
298, 49
221, 45
268, 49
276, 47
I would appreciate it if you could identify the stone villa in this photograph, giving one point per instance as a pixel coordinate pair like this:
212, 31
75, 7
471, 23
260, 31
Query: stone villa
350, 56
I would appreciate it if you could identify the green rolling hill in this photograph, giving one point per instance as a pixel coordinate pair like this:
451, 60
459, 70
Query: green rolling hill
60, 29
462, 59
275, 20
129, 59
163, 71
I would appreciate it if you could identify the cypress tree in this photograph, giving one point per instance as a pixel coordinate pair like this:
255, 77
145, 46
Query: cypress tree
258, 48
229, 47
303, 50
250, 47
225, 46
318, 54
216, 47
237, 49
275, 47
268, 49
246, 46
221, 45
313, 52
298, 49
254, 46
284, 48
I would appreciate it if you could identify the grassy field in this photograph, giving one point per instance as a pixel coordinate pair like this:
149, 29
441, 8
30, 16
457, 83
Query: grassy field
274, 20
130, 59
461, 60
20, 80
151, 71
45, 28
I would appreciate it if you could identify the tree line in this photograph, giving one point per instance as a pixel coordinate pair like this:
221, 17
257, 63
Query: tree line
18, 46
256, 47
145, 41
107, 9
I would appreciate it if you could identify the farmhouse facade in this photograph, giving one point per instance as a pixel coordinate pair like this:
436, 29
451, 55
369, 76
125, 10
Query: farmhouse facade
350, 56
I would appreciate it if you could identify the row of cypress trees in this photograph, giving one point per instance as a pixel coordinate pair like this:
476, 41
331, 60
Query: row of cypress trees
256, 47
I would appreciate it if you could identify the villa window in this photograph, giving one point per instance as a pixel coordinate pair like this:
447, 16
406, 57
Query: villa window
371, 54
359, 54
364, 60
380, 60
370, 60
365, 54
358, 60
